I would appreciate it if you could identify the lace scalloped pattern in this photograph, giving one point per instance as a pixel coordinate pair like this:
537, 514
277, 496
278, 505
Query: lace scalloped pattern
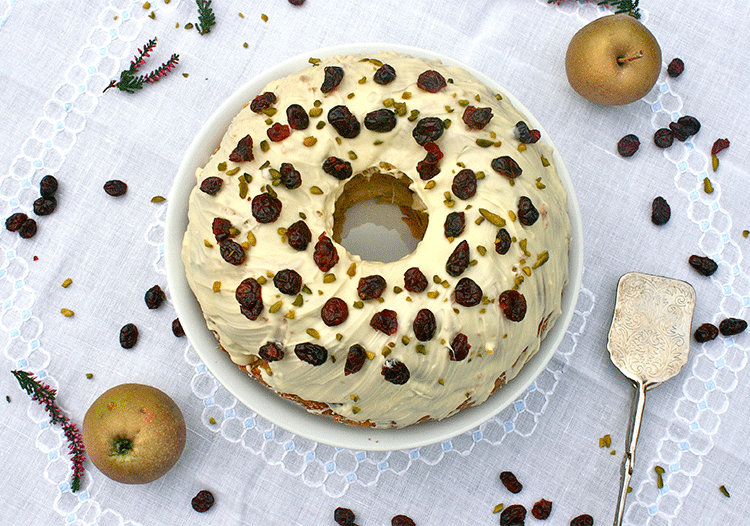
715, 367
53, 135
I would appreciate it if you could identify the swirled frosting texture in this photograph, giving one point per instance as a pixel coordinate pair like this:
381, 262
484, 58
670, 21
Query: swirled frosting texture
536, 264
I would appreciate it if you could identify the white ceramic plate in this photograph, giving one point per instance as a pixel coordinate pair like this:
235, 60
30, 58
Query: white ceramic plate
265, 402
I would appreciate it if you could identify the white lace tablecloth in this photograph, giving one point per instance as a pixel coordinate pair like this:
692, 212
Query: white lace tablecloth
57, 57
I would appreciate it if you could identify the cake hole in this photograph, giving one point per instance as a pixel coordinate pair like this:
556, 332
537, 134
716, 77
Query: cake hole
378, 217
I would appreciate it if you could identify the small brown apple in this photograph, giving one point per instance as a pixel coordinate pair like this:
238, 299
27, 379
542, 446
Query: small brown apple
613, 60
134, 433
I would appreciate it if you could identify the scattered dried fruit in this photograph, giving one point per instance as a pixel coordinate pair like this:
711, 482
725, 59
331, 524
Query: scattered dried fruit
732, 326
203, 501
541, 509
154, 297
343, 516
128, 336
510, 481
703, 265
675, 67
514, 515
115, 188
628, 145
660, 211
583, 520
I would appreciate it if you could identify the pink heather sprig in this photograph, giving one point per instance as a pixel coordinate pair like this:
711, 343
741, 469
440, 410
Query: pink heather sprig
45, 395
130, 81
621, 6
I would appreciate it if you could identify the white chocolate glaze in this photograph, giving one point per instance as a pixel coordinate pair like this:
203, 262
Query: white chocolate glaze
437, 387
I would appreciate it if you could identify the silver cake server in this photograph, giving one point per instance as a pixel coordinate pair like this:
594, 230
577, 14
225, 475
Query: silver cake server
649, 342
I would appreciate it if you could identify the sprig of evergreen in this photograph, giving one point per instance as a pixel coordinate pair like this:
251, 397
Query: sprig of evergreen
206, 17
130, 81
45, 395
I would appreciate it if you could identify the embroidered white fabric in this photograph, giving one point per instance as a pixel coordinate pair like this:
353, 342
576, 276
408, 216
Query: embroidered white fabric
57, 59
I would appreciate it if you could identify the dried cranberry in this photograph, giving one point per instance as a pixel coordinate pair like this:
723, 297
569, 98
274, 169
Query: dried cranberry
288, 281
115, 188
454, 225
14, 221
325, 255
459, 349
467, 292
271, 351
211, 185
459, 260
297, 2
685, 127
290, 177
510, 481
371, 287
385, 321
464, 184
263, 102
221, 228
542, 509
334, 312
689, 124
706, 333
248, 295
48, 186
202, 501
506, 166
338, 168
514, 515
382, 120
719, 145
628, 145
177, 329
663, 137
355, 359
502, 241
154, 297
297, 117
298, 235
429, 129
232, 252
527, 212
402, 520
675, 67
332, 77
415, 280
311, 353
431, 81
266, 208
660, 211
384, 75
424, 325
703, 265
243, 151
524, 134
429, 167
343, 516
278, 132
28, 228
477, 118
128, 336
45, 205
513, 305
732, 326
583, 520
397, 373
343, 121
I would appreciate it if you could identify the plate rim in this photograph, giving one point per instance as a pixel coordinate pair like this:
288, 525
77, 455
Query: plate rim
271, 406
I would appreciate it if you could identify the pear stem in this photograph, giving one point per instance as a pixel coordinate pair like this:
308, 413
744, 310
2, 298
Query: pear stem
624, 60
